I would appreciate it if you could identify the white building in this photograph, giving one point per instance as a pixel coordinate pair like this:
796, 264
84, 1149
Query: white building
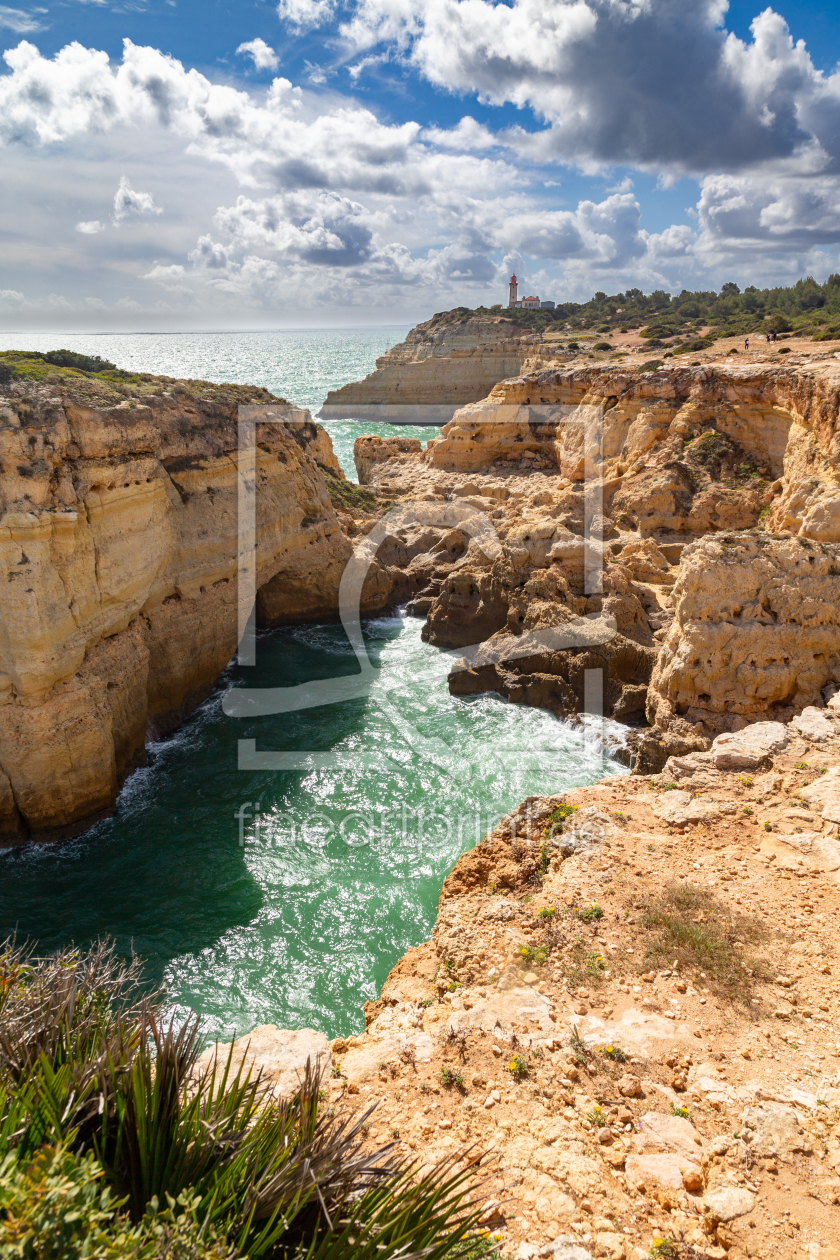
530, 303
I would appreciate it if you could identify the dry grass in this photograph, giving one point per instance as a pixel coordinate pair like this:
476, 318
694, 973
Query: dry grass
689, 926
584, 963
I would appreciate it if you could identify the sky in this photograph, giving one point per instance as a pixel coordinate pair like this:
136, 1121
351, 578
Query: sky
174, 165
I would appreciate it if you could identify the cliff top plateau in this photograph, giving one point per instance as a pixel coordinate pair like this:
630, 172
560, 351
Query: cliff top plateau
458, 356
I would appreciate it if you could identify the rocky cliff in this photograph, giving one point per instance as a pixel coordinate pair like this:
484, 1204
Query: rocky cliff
712, 522
118, 538
628, 1010
442, 364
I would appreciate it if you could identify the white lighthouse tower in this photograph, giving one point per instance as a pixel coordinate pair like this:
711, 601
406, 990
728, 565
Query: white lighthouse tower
512, 301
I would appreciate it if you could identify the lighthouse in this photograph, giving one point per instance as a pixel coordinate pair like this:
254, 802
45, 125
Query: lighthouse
512, 301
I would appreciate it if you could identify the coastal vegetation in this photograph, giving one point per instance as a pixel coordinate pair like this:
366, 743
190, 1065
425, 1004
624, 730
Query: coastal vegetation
89, 378
687, 318
114, 1143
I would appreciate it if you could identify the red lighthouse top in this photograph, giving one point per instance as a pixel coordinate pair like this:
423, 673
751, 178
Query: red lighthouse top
513, 279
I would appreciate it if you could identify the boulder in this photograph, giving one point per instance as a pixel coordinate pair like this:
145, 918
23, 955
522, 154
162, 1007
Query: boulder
611, 1244
658, 1132
278, 1054
824, 793
773, 1130
545, 1197
813, 724
680, 807
665, 1169
629, 1086
725, 1203
566, 1248
745, 750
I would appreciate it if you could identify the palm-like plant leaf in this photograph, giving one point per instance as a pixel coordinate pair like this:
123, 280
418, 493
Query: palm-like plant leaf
86, 1061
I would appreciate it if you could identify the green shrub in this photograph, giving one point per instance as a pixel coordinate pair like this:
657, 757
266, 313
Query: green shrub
778, 323
87, 1063
82, 362
534, 955
58, 1207
518, 1067
589, 914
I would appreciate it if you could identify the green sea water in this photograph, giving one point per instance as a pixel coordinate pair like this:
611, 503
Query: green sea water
298, 366
285, 896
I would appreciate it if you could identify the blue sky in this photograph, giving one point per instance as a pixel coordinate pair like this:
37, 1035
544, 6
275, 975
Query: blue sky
315, 162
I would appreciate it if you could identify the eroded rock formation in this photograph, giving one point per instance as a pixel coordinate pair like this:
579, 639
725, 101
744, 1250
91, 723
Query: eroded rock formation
441, 365
756, 632
727, 469
118, 538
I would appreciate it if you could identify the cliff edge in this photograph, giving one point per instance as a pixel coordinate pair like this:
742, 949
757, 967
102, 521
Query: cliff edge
118, 542
443, 363
714, 536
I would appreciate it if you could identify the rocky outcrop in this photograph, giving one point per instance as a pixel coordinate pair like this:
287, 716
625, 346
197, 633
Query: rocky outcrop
631, 1077
622, 473
279, 1057
756, 632
118, 538
370, 451
442, 364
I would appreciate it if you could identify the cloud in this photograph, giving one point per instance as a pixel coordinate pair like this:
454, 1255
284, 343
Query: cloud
652, 83
468, 135
749, 216
330, 202
11, 297
305, 14
19, 21
263, 56
128, 203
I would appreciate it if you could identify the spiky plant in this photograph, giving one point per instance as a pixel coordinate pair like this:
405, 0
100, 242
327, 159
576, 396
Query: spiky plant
90, 1069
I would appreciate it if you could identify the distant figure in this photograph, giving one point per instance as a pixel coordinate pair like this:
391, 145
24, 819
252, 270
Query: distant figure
746, 343
768, 337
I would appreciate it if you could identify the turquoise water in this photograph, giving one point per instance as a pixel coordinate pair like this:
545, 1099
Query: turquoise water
300, 923
298, 366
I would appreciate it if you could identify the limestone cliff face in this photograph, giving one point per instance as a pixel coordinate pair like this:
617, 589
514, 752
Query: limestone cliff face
684, 460
440, 365
785, 420
755, 635
118, 543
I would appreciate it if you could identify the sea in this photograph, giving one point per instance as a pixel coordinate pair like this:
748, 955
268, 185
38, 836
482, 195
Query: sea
286, 895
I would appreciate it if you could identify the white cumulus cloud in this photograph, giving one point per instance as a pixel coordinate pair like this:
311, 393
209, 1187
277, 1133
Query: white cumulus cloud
128, 202
654, 83
305, 14
262, 54
329, 201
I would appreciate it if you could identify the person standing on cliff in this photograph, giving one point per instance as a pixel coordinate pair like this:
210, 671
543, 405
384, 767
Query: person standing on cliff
746, 343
